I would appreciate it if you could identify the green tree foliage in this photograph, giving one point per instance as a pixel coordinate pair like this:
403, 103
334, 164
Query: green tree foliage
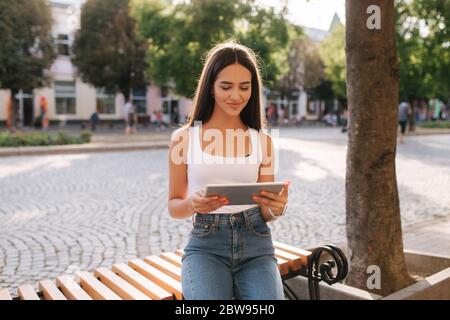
267, 34
423, 38
332, 51
26, 45
107, 50
180, 34
304, 67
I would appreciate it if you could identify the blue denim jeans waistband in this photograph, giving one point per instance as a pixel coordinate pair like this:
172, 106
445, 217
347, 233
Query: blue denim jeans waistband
227, 218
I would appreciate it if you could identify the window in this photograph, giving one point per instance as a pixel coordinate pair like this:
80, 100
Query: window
63, 44
106, 103
65, 98
140, 100
165, 107
170, 107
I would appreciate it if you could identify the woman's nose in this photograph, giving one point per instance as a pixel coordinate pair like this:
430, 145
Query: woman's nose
235, 94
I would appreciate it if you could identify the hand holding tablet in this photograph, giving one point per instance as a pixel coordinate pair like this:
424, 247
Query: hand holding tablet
242, 193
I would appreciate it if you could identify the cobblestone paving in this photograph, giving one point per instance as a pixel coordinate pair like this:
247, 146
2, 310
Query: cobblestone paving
63, 213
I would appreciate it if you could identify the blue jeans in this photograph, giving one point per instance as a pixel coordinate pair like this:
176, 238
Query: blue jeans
230, 256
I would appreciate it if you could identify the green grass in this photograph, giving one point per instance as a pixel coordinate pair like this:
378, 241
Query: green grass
37, 138
441, 124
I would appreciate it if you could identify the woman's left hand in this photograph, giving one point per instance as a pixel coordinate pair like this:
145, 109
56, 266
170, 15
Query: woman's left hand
275, 201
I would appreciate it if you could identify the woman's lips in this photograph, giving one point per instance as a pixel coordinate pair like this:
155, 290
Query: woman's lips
234, 105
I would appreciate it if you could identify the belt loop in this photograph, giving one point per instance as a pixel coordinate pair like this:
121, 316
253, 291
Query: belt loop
246, 218
216, 222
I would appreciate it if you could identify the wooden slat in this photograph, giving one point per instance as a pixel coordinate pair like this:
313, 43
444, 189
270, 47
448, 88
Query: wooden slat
123, 289
148, 287
5, 295
283, 266
26, 292
172, 258
71, 289
164, 266
95, 288
155, 277
160, 278
294, 261
50, 291
303, 254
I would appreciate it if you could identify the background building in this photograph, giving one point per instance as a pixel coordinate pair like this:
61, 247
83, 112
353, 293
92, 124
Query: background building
297, 105
71, 101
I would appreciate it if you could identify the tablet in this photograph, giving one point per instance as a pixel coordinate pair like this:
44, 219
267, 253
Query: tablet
241, 193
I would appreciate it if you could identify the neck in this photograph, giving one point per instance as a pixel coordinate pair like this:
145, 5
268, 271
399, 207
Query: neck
221, 120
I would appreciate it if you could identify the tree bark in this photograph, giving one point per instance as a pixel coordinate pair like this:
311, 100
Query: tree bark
374, 233
126, 93
412, 116
14, 92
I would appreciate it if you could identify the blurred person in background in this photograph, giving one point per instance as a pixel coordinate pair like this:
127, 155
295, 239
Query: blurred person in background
44, 113
403, 115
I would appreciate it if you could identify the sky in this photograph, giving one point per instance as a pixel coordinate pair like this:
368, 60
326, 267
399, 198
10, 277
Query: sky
313, 13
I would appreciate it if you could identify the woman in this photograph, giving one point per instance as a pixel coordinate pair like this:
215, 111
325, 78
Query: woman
44, 113
130, 118
230, 253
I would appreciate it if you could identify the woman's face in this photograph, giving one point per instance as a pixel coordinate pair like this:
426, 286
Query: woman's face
232, 89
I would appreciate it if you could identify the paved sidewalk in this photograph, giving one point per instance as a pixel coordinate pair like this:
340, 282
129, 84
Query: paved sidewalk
102, 142
83, 148
432, 237
63, 212
424, 131
146, 138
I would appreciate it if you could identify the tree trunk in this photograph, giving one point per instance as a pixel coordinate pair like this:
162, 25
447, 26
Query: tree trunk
412, 116
15, 106
374, 231
125, 92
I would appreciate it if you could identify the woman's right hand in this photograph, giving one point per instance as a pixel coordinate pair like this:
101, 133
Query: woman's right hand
202, 204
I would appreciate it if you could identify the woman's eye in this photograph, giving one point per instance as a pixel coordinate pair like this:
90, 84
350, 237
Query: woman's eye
227, 88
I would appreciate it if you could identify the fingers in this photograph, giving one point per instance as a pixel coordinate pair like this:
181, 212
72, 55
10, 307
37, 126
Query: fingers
204, 204
282, 196
273, 196
285, 189
272, 199
200, 198
269, 203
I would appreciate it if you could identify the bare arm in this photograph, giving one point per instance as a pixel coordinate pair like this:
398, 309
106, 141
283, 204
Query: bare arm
181, 205
267, 174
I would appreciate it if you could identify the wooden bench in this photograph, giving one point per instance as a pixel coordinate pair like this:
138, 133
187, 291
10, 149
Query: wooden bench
151, 278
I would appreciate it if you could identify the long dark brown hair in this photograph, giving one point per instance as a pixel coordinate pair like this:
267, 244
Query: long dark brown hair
218, 58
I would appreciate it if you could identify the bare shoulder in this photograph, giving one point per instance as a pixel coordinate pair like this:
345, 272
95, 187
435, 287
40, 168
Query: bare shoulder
179, 144
266, 139
266, 172
180, 134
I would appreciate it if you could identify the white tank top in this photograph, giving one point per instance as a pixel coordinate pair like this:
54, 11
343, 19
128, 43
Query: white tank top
204, 168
